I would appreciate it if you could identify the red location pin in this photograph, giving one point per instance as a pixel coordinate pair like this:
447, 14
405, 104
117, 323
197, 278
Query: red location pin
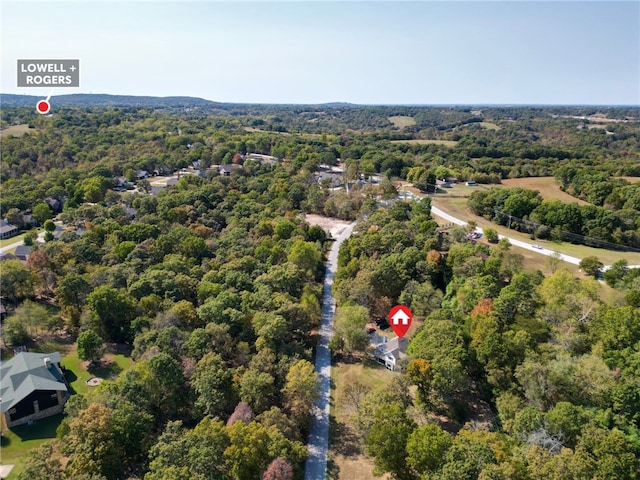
400, 319
43, 107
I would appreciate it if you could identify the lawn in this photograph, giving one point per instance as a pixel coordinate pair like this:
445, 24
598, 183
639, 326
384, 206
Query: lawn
17, 442
401, 121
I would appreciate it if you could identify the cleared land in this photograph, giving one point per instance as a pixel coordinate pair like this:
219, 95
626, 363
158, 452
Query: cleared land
632, 179
457, 207
15, 130
347, 459
490, 125
547, 187
402, 121
448, 143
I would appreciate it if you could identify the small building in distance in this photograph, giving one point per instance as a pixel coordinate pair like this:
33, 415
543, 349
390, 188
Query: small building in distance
225, 170
7, 230
32, 386
23, 252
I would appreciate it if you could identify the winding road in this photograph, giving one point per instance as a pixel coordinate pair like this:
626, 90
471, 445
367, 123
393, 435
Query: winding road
316, 465
513, 241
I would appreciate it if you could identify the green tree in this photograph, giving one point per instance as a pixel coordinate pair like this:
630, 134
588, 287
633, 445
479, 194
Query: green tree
115, 309
591, 266
426, 448
301, 391
90, 346
212, 381
42, 464
49, 226
387, 440
41, 213
16, 281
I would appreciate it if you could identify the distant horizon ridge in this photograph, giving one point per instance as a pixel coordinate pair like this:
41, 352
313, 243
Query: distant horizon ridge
116, 97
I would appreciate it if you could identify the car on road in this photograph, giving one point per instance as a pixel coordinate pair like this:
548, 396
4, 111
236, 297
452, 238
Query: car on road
539, 247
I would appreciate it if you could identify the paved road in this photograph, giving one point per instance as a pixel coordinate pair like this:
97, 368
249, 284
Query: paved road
316, 465
512, 241
518, 243
16, 244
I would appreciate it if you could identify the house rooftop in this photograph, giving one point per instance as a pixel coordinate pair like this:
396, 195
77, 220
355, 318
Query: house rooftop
26, 373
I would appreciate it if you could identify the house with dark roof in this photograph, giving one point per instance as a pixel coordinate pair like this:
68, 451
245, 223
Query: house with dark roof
225, 170
390, 352
7, 230
23, 252
32, 386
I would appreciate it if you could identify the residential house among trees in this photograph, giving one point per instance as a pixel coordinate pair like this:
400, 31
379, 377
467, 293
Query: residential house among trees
32, 386
7, 230
389, 353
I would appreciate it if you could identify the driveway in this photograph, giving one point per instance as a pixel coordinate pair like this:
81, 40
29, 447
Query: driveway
316, 466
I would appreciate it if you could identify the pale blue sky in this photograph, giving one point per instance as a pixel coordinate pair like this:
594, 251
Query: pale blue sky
514, 52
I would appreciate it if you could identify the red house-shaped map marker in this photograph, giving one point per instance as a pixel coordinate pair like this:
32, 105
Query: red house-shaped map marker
400, 319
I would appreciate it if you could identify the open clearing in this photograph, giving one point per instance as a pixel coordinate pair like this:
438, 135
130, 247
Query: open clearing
490, 126
16, 130
402, 121
333, 226
547, 187
448, 143
457, 207
632, 179
347, 459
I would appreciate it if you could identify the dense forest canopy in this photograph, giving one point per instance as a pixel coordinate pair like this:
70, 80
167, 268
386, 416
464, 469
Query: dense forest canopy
213, 284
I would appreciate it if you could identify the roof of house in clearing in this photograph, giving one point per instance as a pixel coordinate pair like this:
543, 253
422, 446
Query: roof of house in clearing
396, 347
25, 373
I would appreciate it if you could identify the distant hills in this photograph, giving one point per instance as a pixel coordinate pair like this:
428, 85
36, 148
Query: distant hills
105, 100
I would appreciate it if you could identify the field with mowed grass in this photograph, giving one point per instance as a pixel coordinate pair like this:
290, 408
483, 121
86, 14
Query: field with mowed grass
402, 121
547, 186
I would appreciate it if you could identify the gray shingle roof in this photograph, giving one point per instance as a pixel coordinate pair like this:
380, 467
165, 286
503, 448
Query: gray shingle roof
25, 373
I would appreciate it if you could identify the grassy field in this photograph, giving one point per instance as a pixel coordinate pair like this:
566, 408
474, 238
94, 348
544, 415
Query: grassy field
347, 460
457, 206
490, 126
547, 187
632, 179
402, 121
16, 130
448, 143
17, 442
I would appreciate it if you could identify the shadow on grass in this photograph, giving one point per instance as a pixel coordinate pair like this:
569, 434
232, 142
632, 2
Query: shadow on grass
71, 377
40, 429
104, 370
344, 439
4, 441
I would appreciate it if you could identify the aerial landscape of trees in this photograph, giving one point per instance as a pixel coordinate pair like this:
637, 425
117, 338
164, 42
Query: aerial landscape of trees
213, 287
